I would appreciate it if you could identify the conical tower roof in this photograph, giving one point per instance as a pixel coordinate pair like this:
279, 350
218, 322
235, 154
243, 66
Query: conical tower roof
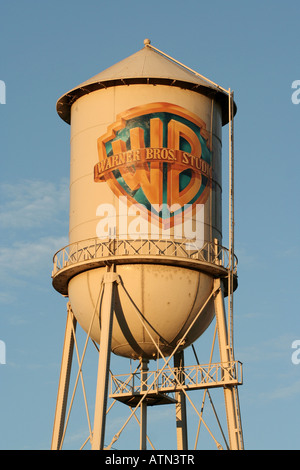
145, 66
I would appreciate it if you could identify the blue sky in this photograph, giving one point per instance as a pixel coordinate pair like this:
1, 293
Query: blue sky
48, 48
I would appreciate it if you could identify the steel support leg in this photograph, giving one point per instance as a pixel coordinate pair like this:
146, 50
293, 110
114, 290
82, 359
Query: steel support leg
143, 406
106, 316
231, 403
64, 380
181, 421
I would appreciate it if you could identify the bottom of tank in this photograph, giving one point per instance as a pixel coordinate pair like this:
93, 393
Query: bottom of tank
152, 302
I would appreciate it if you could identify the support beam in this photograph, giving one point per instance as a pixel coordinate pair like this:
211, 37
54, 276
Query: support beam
181, 421
64, 381
231, 403
106, 319
143, 406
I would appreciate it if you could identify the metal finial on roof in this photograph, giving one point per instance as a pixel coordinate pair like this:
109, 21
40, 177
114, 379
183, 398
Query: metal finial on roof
147, 42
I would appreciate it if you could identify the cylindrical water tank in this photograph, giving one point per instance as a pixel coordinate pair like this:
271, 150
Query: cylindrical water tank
145, 196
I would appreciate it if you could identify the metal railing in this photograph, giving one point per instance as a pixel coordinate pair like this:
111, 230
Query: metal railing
191, 378
95, 249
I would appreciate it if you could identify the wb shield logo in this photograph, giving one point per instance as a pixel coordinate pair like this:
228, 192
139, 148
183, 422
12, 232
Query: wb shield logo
159, 156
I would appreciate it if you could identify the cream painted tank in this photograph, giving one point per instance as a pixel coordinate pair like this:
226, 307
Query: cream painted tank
145, 197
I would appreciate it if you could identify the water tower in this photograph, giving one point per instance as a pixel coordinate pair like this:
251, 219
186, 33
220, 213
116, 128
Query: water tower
145, 270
